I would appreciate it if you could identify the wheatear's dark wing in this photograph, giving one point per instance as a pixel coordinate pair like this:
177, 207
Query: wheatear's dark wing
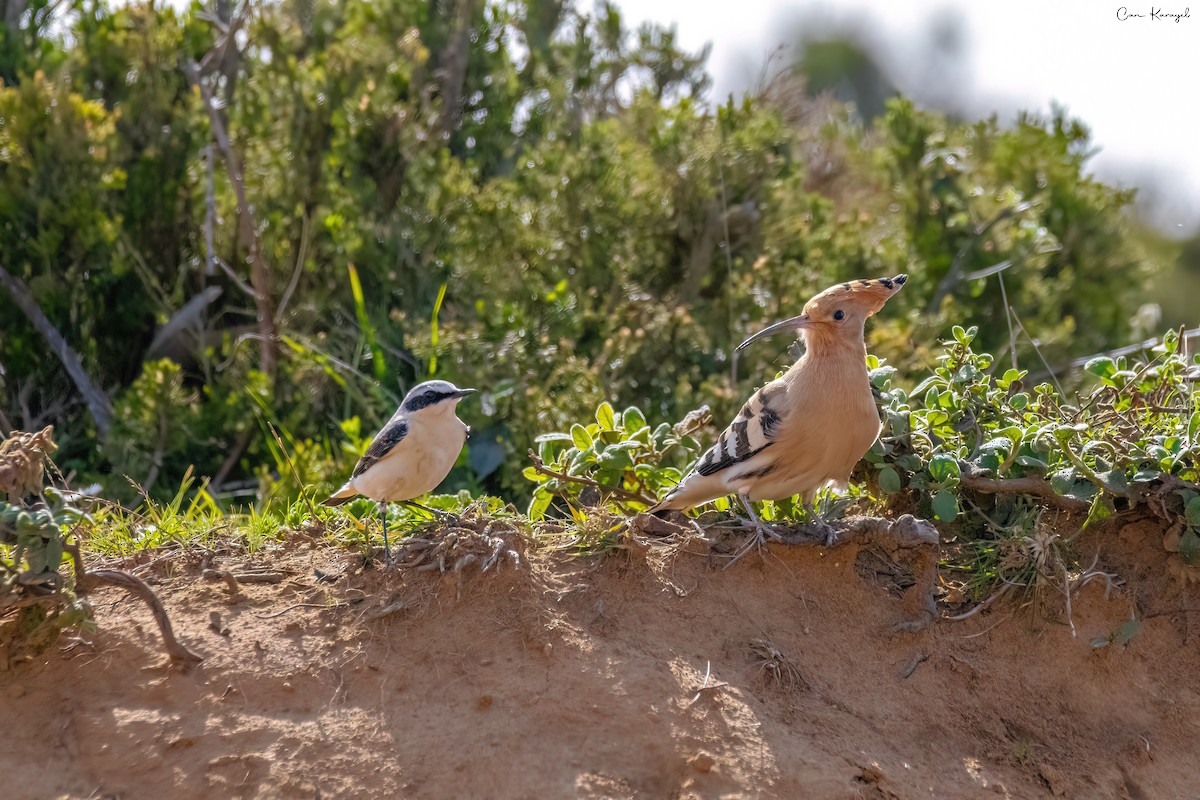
384, 443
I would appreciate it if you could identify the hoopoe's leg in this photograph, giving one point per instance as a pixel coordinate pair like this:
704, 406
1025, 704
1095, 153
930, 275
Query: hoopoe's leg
764, 531
815, 512
761, 532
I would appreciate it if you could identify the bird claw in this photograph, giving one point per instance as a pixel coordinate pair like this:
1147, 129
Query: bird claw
830, 533
762, 534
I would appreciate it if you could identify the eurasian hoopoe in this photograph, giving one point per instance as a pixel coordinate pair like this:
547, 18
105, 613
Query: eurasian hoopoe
807, 428
412, 454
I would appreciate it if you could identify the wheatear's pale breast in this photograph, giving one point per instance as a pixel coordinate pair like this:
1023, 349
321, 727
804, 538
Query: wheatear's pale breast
415, 463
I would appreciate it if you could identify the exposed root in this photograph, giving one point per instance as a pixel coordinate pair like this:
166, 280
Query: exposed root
774, 667
222, 575
179, 654
473, 543
918, 658
907, 533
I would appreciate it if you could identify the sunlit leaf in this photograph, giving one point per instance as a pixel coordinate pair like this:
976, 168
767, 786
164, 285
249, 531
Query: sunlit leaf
605, 417
580, 436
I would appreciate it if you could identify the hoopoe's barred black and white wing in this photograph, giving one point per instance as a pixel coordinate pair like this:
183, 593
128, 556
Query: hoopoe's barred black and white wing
733, 455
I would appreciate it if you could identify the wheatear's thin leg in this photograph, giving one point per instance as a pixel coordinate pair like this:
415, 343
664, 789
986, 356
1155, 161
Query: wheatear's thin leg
383, 516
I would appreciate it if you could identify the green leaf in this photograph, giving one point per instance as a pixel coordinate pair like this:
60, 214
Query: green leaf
605, 417
1116, 480
943, 468
959, 334
433, 324
614, 459
1063, 481
580, 436
533, 475
553, 437
889, 480
945, 505
54, 552
1189, 548
1191, 512
633, 419
1102, 367
607, 475
1100, 511
539, 504
647, 474
965, 374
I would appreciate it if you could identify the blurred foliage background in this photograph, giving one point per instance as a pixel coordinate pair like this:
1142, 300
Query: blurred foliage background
247, 217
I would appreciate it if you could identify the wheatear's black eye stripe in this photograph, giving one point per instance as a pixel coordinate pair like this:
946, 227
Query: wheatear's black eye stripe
383, 444
424, 400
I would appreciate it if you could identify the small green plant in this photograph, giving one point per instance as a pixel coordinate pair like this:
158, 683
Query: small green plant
963, 422
618, 458
979, 449
37, 603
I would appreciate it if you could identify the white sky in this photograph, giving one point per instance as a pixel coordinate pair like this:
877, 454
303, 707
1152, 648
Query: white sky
1134, 82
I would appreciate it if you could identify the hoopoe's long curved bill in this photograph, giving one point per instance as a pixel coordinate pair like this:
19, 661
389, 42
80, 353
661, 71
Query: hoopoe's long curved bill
793, 324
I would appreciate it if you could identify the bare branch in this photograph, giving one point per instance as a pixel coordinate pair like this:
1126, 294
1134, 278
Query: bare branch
954, 274
233, 276
540, 466
1036, 487
715, 227
182, 320
301, 254
97, 401
259, 275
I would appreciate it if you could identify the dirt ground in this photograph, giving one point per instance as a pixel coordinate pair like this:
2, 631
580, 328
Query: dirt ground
640, 674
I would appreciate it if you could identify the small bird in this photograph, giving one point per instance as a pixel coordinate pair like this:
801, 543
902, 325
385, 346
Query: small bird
412, 454
807, 428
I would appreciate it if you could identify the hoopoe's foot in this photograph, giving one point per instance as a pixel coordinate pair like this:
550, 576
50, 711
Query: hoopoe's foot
823, 529
763, 533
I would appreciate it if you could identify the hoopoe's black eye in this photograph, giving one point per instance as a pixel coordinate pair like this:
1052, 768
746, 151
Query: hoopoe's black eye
839, 315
